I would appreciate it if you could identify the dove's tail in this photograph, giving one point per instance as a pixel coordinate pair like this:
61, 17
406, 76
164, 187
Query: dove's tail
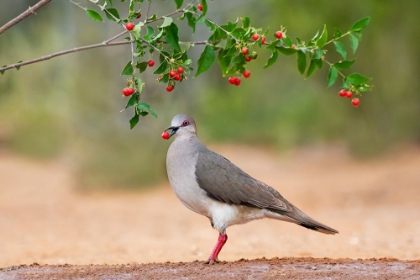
314, 225
304, 220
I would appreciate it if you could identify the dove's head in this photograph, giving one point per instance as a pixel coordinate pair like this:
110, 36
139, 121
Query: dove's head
182, 125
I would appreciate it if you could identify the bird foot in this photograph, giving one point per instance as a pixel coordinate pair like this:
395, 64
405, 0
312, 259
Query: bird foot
212, 261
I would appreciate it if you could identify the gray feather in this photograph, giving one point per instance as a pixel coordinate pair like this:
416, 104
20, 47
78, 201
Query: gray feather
224, 181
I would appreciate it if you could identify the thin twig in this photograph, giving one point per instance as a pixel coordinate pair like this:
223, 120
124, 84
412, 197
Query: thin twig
148, 9
133, 59
16, 65
22, 16
115, 37
78, 5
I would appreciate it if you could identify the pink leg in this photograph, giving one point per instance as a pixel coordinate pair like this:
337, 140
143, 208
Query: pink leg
216, 250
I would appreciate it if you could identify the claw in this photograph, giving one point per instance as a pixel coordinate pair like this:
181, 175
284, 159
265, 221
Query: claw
219, 245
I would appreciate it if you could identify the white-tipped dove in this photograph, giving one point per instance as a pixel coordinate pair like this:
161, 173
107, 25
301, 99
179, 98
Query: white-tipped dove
210, 185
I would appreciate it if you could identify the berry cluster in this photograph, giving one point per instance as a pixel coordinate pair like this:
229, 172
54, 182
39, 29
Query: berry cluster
236, 80
347, 93
130, 90
175, 76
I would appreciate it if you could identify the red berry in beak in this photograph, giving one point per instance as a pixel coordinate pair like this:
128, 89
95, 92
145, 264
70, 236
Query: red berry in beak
165, 135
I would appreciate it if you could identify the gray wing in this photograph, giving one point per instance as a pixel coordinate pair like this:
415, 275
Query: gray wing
224, 181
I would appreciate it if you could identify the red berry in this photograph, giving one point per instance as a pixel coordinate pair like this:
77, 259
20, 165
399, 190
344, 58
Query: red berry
255, 37
245, 50
263, 40
355, 102
279, 34
129, 26
248, 58
151, 63
139, 15
165, 135
169, 88
247, 74
342, 93
180, 70
232, 80
177, 77
237, 81
349, 94
172, 73
128, 91
200, 7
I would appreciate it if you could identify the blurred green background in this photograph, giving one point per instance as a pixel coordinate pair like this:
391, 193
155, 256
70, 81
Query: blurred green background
68, 108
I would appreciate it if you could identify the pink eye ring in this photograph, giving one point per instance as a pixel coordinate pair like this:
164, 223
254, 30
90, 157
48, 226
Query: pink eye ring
185, 123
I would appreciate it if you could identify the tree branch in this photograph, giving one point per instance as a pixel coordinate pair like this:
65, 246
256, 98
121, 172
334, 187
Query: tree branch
103, 44
22, 16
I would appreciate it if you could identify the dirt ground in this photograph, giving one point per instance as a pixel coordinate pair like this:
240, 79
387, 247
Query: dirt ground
374, 204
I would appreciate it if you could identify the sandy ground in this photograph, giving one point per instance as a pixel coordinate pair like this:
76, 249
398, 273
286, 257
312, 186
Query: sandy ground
374, 204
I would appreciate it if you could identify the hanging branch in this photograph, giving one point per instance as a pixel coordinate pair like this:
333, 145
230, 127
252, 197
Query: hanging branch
30, 11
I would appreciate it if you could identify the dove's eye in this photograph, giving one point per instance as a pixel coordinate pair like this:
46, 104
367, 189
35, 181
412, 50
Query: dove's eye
185, 123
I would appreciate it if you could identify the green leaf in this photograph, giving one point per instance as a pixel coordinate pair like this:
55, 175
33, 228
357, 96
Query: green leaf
131, 7
185, 46
143, 106
288, 41
137, 29
113, 12
332, 76
364, 87
272, 59
286, 51
311, 68
166, 22
323, 38
238, 32
128, 69
344, 64
341, 49
210, 25
318, 54
357, 79
134, 120
316, 36
150, 32
172, 37
245, 22
337, 33
178, 3
301, 62
94, 15
230, 26
192, 21
162, 68
146, 107
139, 84
223, 61
132, 101
206, 60
205, 8
360, 25
354, 42
318, 63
